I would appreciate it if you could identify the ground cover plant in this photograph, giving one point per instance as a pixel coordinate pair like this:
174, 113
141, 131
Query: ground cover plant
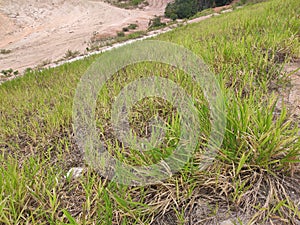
128, 3
254, 179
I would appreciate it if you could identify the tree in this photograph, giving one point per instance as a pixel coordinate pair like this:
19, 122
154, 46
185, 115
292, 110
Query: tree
187, 8
182, 8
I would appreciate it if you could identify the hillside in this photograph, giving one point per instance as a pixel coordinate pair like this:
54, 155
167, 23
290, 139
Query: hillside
253, 56
44, 31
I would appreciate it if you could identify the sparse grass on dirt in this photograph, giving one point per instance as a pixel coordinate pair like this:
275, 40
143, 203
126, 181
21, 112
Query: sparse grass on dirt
128, 4
4, 74
71, 54
96, 44
131, 26
254, 179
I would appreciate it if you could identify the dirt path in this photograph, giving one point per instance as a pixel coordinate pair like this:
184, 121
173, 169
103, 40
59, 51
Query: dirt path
291, 95
39, 31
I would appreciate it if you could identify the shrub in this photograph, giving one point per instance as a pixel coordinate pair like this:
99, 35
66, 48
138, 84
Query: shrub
136, 2
132, 26
173, 16
125, 29
156, 22
120, 34
70, 54
10, 72
5, 51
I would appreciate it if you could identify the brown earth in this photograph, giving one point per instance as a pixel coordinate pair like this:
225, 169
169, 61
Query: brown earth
290, 95
40, 31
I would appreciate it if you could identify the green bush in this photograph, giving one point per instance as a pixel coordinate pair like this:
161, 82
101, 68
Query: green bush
121, 34
8, 73
136, 2
132, 26
173, 16
181, 9
156, 22
188, 8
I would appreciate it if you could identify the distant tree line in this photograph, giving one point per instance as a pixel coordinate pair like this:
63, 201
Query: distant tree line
180, 9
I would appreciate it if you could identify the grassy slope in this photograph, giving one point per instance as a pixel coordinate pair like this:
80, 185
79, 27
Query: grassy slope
244, 49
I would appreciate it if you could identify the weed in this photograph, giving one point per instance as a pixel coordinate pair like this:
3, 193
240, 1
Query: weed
120, 34
9, 73
71, 54
132, 26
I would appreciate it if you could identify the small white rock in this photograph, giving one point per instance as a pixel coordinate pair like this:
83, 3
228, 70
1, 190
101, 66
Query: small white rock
74, 172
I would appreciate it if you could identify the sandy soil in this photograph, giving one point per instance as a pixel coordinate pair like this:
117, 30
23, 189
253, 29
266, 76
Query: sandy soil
43, 30
292, 94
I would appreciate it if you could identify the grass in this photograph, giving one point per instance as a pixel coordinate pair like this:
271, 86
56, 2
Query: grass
70, 54
128, 4
204, 12
120, 37
254, 178
131, 26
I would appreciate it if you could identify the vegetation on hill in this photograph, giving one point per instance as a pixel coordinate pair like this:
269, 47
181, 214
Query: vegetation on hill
254, 179
128, 3
187, 8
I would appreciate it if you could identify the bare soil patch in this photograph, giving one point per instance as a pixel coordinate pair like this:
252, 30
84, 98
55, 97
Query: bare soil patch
290, 95
43, 31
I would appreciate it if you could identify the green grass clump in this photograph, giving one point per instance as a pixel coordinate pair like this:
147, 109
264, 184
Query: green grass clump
250, 180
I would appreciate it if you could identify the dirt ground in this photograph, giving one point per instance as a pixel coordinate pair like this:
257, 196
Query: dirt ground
293, 95
37, 31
